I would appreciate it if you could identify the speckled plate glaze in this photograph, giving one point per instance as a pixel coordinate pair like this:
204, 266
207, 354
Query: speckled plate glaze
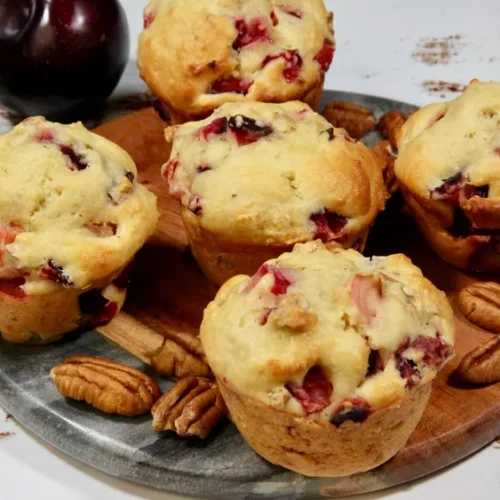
222, 466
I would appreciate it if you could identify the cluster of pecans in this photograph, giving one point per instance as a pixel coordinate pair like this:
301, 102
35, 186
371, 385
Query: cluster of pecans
192, 407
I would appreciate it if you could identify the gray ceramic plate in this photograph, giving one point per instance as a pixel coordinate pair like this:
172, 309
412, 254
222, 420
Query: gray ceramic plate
222, 466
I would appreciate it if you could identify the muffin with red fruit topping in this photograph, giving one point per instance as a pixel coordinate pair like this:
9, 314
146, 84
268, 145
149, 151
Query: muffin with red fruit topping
195, 56
449, 172
325, 358
256, 178
72, 216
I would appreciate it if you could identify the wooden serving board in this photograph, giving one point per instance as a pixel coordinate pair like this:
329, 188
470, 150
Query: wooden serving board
459, 419
168, 290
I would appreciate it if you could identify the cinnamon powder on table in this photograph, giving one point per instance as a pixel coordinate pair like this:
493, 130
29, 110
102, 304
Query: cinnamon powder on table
440, 86
433, 50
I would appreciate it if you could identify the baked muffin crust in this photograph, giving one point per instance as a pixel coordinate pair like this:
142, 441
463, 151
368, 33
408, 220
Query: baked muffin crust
328, 333
197, 55
274, 174
71, 210
449, 171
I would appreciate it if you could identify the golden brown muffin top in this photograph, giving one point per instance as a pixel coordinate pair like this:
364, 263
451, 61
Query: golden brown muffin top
197, 55
273, 174
71, 210
328, 332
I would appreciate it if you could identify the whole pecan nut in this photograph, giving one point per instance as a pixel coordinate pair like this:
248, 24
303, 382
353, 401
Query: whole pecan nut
192, 407
356, 120
482, 364
480, 304
108, 386
390, 125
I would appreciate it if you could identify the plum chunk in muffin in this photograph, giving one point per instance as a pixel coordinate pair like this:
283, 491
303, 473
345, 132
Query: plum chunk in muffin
51, 271
280, 284
251, 31
315, 393
247, 130
292, 63
329, 225
231, 84
325, 56
355, 409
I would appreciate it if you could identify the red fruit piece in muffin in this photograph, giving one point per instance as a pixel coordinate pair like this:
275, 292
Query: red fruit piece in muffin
76, 161
325, 55
149, 17
216, 127
328, 224
231, 84
51, 271
356, 410
435, 350
280, 284
247, 130
293, 63
456, 189
251, 31
315, 393
12, 287
366, 292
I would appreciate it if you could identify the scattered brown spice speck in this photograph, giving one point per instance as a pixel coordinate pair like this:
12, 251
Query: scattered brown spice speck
4, 435
442, 86
8, 416
432, 51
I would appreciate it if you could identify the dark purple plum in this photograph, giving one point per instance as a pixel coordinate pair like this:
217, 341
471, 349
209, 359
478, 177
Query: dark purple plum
61, 58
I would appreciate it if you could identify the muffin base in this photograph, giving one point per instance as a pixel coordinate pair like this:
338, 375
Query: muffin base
41, 319
220, 259
475, 252
315, 448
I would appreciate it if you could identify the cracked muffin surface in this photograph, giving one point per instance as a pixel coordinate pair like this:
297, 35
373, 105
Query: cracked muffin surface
71, 210
197, 55
329, 334
274, 174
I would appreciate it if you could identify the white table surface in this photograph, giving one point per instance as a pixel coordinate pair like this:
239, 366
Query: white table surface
376, 42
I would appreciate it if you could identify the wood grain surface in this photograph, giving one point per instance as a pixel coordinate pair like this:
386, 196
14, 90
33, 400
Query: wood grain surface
169, 291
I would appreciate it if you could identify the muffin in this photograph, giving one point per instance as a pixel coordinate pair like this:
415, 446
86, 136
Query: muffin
325, 358
72, 216
256, 178
449, 172
195, 56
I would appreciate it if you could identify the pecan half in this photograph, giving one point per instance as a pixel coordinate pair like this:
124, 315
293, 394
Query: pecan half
390, 126
480, 304
482, 364
383, 151
192, 407
356, 120
108, 386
